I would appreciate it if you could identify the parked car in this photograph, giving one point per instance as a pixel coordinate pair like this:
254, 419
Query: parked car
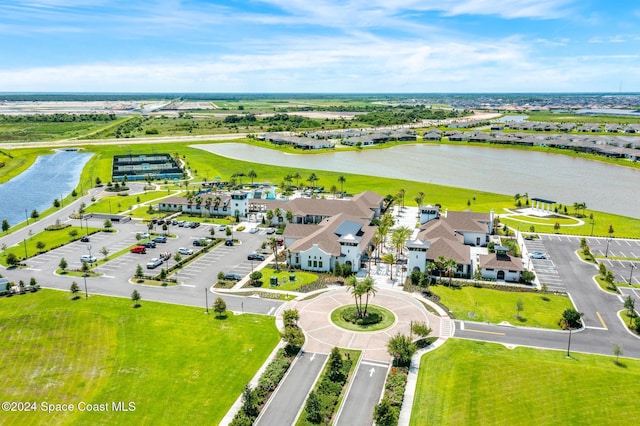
537, 255
194, 224
253, 230
87, 258
139, 249
201, 242
174, 222
182, 223
232, 277
160, 239
256, 256
165, 256
160, 222
228, 243
271, 231
154, 263
185, 250
149, 244
84, 239
143, 235
222, 228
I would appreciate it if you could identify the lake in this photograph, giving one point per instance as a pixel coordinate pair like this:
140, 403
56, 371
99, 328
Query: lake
49, 177
561, 178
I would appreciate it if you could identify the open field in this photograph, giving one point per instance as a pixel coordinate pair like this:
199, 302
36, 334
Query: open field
302, 279
495, 306
458, 385
119, 203
177, 365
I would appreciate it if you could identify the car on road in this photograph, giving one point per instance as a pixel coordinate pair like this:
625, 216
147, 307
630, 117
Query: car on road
88, 258
537, 255
138, 249
186, 251
149, 244
154, 263
228, 243
271, 231
84, 239
256, 256
160, 239
232, 277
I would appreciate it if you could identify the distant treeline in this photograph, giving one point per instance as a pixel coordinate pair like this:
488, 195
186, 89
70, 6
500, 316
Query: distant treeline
56, 118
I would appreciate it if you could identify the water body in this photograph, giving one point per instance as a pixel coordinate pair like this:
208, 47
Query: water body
49, 177
555, 177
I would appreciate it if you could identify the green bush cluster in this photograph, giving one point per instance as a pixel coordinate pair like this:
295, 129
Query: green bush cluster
322, 402
254, 399
387, 412
351, 315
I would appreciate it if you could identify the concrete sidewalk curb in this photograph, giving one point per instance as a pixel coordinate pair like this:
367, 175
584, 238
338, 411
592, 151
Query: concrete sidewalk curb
412, 382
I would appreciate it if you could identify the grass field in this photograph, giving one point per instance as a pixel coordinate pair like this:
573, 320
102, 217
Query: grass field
120, 203
495, 306
178, 365
302, 279
458, 384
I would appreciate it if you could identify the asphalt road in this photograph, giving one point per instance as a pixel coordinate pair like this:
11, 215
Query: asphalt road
289, 398
363, 395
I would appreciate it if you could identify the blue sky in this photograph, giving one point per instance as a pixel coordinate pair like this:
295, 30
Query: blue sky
320, 45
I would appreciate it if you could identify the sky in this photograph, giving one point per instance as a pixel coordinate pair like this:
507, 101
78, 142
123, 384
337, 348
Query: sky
320, 46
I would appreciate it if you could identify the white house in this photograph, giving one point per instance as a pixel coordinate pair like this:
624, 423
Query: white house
234, 204
500, 266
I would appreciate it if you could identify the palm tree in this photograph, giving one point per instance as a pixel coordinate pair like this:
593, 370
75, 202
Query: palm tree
288, 179
399, 237
419, 198
368, 288
297, 177
342, 180
401, 194
356, 290
289, 216
252, 174
312, 179
450, 266
381, 237
333, 190
440, 262
390, 259
273, 244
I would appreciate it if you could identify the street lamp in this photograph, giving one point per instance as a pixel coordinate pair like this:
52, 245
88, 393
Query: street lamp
206, 300
631, 274
24, 240
569, 345
86, 293
89, 248
26, 216
606, 254
593, 221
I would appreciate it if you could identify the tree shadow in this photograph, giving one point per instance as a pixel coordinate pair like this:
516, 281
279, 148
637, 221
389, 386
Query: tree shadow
137, 305
620, 364
221, 316
521, 319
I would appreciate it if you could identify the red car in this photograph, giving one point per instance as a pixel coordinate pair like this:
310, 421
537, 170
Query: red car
139, 249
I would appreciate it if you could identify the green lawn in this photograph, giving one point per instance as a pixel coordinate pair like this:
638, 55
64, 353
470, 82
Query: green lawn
178, 365
388, 318
118, 203
476, 383
495, 306
51, 239
302, 279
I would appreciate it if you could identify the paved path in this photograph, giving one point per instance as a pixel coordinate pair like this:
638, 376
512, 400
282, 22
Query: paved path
364, 393
289, 398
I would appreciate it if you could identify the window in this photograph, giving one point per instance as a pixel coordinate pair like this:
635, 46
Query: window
315, 263
320, 264
309, 264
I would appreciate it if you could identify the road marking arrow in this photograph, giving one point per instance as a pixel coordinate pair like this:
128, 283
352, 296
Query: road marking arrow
372, 371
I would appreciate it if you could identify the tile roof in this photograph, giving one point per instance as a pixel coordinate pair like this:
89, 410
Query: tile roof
501, 262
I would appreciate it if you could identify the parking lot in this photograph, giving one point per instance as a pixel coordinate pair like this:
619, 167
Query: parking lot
628, 252
544, 269
200, 273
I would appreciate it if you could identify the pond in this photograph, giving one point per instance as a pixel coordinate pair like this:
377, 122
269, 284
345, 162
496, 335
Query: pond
49, 177
561, 178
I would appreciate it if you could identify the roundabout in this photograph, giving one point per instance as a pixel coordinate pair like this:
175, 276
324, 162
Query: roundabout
322, 333
376, 318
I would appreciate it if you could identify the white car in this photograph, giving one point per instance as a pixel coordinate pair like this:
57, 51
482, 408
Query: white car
88, 259
153, 263
253, 230
185, 251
